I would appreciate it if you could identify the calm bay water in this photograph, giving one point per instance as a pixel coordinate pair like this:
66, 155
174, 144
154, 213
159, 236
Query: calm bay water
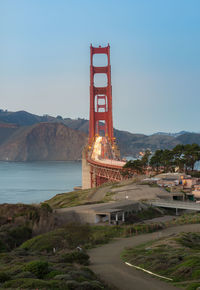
32, 182
197, 165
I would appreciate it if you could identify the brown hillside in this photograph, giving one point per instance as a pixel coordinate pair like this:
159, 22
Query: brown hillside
43, 141
13, 143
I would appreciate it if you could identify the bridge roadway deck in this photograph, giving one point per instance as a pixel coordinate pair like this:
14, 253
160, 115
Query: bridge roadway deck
176, 204
109, 163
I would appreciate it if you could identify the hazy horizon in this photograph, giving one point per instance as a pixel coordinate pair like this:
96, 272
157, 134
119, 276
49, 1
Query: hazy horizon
87, 119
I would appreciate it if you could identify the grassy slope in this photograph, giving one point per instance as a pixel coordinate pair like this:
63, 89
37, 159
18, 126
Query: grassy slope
66, 240
176, 257
69, 199
23, 270
35, 265
80, 197
73, 235
62, 267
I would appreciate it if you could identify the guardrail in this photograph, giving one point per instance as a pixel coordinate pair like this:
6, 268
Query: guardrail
176, 204
101, 163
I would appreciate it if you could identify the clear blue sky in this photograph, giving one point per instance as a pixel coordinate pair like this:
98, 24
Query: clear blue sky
155, 59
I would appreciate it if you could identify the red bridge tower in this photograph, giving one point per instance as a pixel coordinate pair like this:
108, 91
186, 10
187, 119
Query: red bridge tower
100, 98
100, 157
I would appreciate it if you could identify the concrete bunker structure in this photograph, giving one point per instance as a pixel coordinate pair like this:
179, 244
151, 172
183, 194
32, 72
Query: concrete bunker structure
111, 213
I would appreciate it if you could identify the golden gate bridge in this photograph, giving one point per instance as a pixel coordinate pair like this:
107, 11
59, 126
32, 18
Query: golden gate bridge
101, 157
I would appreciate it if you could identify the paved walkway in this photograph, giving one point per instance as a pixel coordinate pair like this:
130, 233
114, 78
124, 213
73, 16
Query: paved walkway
106, 262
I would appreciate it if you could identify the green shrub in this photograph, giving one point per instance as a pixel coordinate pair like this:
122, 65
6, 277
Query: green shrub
33, 215
70, 237
88, 273
77, 234
52, 274
3, 246
65, 277
72, 285
34, 284
46, 207
81, 275
13, 236
187, 269
193, 286
19, 234
5, 258
91, 285
76, 257
103, 234
196, 274
190, 240
45, 242
4, 277
38, 268
14, 270
25, 274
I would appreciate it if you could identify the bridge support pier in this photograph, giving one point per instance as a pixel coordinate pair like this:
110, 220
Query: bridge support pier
86, 171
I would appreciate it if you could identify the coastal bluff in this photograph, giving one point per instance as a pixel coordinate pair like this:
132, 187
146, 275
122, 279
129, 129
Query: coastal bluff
43, 142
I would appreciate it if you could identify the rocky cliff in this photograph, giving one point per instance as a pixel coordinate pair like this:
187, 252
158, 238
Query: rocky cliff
43, 141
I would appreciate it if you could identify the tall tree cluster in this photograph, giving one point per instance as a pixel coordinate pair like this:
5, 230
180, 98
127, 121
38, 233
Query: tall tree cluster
182, 157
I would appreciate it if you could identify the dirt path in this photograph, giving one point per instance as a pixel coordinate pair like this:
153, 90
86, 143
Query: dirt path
99, 194
106, 262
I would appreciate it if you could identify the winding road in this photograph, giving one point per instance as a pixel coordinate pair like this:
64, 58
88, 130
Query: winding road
106, 262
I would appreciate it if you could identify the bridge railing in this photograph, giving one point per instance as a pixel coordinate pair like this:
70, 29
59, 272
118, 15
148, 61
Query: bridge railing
190, 205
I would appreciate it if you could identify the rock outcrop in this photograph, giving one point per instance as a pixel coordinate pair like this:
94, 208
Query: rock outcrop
43, 141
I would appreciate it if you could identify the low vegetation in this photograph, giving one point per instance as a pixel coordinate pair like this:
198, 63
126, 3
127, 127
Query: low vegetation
69, 199
176, 257
13, 236
19, 222
69, 237
76, 257
109, 196
142, 215
20, 269
73, 235
80, 197
53, 261
83, 197
57, 259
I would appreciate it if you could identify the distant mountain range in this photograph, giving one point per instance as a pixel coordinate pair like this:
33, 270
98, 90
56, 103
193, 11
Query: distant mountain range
28, 137
172, 134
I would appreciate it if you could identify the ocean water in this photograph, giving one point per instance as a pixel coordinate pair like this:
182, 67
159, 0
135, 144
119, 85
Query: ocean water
33, 182
197, 165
